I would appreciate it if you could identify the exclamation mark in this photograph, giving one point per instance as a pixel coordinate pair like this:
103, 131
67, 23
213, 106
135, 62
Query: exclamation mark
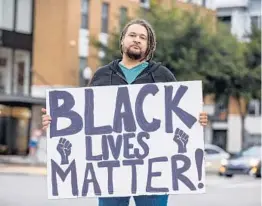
199, 155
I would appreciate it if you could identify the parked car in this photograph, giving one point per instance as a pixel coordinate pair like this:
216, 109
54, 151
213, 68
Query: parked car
213, 157
247, 161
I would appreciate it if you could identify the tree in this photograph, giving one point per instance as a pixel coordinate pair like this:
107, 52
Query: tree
193, 48
253, 62
185, 45
243, 80
252, 81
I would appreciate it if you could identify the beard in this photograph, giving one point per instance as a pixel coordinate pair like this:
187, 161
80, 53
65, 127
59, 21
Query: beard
135, 55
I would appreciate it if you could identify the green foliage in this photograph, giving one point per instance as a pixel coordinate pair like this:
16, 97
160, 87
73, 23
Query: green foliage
189, 47
253, 63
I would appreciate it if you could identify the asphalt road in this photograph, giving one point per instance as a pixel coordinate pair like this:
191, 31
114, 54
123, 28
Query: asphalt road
20, 190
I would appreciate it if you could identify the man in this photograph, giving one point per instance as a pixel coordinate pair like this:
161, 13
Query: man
137, 44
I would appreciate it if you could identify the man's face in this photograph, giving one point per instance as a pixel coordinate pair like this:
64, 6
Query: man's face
134, 43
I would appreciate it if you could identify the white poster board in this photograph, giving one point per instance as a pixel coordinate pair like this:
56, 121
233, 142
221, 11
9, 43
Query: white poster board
125, 140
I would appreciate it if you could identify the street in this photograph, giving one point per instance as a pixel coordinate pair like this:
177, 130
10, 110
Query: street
28, 190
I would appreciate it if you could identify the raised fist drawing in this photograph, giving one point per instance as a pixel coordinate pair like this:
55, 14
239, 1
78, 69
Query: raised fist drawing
181, 138
64, 149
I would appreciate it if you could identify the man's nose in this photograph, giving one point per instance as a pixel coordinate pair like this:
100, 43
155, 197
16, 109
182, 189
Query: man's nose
137, 39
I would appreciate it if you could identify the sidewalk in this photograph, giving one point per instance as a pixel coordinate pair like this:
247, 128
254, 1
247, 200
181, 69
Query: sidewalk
21, 166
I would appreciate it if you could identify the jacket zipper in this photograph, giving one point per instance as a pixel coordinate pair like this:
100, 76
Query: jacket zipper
121, 77
140, 77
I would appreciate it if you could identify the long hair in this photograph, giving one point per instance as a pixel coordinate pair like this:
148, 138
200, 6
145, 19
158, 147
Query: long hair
151, 37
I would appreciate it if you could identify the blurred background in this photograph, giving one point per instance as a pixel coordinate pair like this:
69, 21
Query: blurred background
61, 43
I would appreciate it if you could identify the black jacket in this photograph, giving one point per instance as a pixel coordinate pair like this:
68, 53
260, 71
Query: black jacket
112, 74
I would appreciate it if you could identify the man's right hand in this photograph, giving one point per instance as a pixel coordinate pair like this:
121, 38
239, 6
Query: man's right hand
46, 119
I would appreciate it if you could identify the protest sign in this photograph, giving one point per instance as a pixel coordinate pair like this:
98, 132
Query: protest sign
125, 140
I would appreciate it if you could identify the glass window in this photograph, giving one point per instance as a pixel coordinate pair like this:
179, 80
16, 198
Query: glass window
105, 12
211, 151
145, 3
82, 66
21, 116
5, 113
83, 42
24, 16
252, 152
7, 14
256, 21
5, 70
84, 14
123, 16
84, 24
21, 78
82, 62
254, 107
226, 20
14, 125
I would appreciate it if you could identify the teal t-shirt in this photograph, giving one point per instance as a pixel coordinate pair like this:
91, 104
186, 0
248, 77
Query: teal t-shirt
131, 74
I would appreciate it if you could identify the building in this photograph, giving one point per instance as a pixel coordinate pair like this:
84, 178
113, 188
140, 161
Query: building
16, 56
210, 4
97, 19
46, 44
38, 46
225, 131
113, 13
240, 15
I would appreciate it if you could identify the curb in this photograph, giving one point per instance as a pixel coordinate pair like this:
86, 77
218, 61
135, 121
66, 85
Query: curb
23, 170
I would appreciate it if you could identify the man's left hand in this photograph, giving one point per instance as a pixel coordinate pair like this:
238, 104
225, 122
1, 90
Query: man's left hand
203, 118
